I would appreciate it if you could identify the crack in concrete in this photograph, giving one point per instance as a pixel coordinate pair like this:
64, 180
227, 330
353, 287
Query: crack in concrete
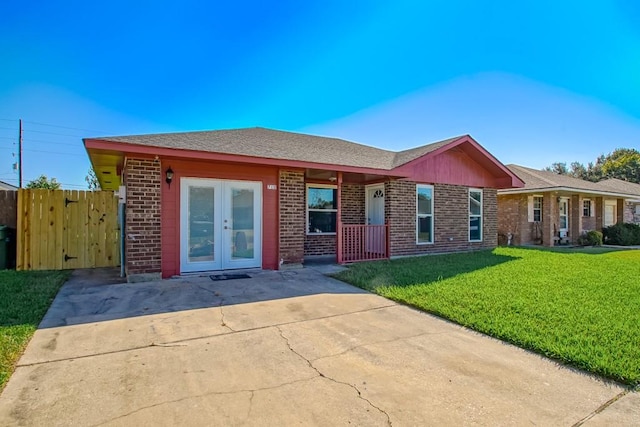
207, 336
603, 407
197, 396
378, 342
222, 322
322, 375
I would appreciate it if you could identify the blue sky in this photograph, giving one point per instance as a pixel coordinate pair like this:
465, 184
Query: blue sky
533, 82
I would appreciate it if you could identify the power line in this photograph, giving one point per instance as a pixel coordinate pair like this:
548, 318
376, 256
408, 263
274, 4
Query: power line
53, 133
53, 152
64, 127
51, 142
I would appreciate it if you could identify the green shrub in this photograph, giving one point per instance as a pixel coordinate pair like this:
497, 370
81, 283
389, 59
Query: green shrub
590, 238
623, 234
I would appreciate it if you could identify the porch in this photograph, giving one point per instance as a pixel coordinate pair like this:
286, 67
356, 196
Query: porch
345, 217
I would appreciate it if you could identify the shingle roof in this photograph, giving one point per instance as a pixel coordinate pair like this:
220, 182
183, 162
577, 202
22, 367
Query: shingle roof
621, 186
275, 144
544, 180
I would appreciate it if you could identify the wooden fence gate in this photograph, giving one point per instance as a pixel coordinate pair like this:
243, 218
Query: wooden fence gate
66, 229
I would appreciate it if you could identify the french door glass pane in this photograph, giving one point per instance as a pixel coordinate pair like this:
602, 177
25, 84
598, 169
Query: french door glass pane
201, 226
243, 235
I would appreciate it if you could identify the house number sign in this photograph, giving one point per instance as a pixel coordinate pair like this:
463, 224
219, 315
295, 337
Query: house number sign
272, 187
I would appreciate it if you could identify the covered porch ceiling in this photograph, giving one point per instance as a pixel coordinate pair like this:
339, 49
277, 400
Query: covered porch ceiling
347, 177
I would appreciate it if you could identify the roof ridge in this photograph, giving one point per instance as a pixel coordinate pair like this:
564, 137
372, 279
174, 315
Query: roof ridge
535, 173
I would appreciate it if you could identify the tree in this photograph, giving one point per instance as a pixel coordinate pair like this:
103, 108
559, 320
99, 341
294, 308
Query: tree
559, 168
43, 182
623, 163
92, 180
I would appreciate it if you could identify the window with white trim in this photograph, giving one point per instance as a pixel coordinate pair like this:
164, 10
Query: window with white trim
537, 208
322, 209
586, 207
424, 214
475, 215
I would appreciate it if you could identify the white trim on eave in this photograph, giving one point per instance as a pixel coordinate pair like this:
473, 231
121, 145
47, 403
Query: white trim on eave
567, 189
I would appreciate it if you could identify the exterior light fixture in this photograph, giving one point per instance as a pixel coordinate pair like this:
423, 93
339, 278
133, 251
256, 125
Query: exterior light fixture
169, 176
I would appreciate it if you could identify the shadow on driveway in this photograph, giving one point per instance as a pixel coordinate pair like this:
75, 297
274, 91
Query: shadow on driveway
99, 295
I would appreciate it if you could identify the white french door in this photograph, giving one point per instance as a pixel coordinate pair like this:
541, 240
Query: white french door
220, 224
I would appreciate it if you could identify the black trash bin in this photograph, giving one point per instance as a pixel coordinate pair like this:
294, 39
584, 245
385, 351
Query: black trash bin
4, 247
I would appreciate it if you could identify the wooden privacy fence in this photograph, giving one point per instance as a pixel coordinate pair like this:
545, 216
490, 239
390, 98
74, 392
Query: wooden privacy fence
65, 229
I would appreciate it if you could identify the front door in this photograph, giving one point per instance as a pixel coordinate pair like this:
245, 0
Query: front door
375, 236
220, 224
564, 216
609, 212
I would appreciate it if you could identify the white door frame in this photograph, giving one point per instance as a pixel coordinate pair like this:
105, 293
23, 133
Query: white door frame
367, 203
566, 201
614, 205
374, 237
222, 225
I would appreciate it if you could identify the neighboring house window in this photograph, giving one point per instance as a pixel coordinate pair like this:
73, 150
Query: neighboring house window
535, 208
424, 214
475, 215
586, 207
322, 209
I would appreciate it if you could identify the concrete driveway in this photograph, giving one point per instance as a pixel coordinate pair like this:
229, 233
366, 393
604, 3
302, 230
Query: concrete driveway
292, 347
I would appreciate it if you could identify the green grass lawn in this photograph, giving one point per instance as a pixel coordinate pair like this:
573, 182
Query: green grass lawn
581, 307
25, 297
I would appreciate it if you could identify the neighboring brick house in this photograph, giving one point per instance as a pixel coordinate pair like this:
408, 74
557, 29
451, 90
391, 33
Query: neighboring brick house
244, 198
7, 187
556, 209
632, 205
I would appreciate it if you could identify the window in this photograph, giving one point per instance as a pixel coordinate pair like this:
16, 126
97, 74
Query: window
586, 207
475, 215
321, 209
537, 208
424, 214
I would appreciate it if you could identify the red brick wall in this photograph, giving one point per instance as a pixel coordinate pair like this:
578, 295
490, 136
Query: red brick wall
292, 216
353, 196
143, 225
513, 217
353, 203
451, 219
324, 244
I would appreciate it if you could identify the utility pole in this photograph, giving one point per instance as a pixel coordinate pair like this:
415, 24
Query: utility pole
20, 153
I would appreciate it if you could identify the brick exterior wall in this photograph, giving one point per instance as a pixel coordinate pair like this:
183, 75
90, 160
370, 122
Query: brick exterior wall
513, 218
320, 245
292, 216
513, 214
451, 219
630, 214
142, 178
353, 204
